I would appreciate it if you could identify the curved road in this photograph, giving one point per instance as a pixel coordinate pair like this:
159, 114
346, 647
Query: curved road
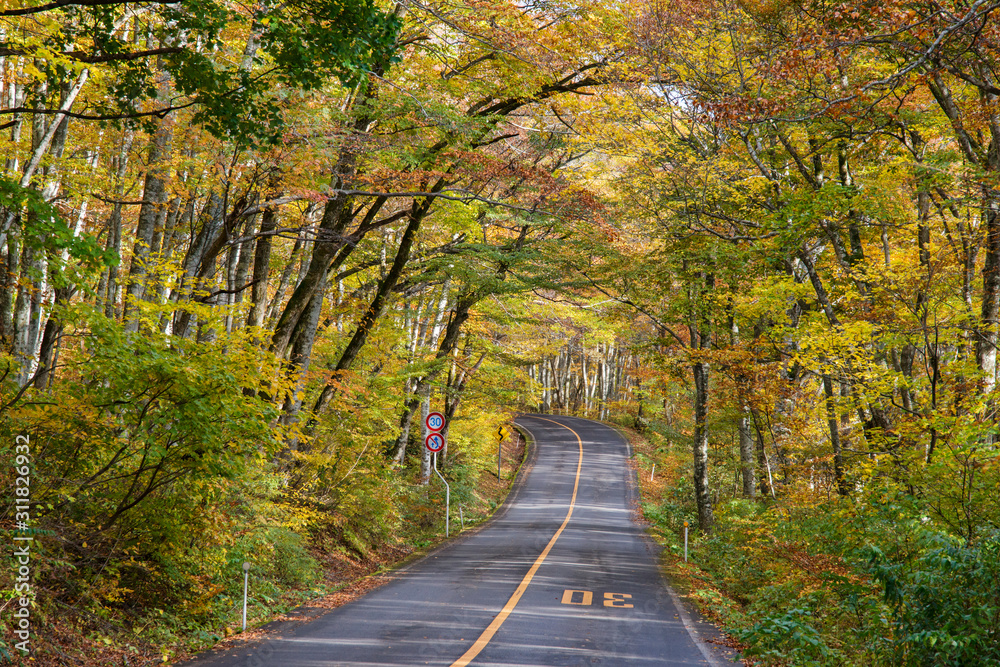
563, 577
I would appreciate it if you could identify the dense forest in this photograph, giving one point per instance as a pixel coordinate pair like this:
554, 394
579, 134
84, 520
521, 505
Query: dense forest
246, 247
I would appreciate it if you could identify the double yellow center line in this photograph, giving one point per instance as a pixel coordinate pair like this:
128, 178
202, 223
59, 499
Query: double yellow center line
491, 630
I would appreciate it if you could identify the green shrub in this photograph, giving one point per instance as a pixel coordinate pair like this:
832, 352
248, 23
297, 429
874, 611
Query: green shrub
789, 637
945, 603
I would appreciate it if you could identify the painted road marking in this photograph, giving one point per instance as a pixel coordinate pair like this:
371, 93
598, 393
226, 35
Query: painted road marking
617, 600
492, 628
586, 597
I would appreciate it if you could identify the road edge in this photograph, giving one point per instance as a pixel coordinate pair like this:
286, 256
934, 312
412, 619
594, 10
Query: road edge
692, 620
527, 463
305, 613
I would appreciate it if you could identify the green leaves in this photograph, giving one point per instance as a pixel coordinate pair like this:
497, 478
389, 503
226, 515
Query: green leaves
789, 636
43, 227
169, 414
302, 45
222, 58
945, 603
310, 40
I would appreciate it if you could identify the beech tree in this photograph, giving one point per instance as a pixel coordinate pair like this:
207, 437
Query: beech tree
244, 247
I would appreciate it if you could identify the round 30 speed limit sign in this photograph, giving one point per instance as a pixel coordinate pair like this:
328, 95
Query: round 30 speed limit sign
434, 442
435, 421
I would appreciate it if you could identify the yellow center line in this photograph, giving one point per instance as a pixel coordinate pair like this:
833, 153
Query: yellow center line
491, 630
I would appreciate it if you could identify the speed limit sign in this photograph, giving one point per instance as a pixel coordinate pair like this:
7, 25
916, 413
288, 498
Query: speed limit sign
435, 421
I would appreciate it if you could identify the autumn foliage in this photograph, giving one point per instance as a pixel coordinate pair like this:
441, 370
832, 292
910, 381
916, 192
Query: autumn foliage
245, 247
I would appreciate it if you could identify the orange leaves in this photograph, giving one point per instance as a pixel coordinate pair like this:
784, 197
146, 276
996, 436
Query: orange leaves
816, 564
736, 109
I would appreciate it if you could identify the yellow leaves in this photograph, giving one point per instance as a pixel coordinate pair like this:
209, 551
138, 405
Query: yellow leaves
821, 340
770, 298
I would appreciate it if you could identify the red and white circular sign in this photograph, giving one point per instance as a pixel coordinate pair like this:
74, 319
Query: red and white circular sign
434, 442
435, 421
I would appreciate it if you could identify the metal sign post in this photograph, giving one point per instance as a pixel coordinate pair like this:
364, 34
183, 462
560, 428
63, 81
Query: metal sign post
435, 443
447, 495
246, 581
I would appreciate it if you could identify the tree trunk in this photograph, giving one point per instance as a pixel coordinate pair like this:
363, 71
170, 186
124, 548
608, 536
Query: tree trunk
241, 271
405, 423
261, 268
445, 349
747, 458
701, 483
986, 334
425, 409
834, 425
766, 481
284, 282
368, 320
28, 309
301, 353
374, 311
154, 200
50, 339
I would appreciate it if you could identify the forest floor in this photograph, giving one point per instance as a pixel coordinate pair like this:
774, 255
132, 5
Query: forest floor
79, 637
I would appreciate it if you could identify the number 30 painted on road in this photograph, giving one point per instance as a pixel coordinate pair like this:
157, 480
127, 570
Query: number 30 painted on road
586, 598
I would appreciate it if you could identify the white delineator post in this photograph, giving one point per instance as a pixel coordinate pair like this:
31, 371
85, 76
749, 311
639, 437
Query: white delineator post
685, 541
246, 581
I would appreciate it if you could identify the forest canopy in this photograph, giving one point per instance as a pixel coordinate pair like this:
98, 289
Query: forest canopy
246, 246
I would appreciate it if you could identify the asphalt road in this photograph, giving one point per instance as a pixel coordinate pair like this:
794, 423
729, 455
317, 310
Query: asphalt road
563, 577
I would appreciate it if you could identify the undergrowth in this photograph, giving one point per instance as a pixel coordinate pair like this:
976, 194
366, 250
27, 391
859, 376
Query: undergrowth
98, 603
811, 580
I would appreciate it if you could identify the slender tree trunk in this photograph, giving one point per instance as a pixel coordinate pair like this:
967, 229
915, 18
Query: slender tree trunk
766, 480
405, 424
368, 320
385, 287
153, 208
241, 271
27, 310
986, 336
834, 425
50, 339
453, 396
701, 482
445, 349
8, 280
301, 354
425, 409
14, 97
284, 282
261, 268
747, 457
